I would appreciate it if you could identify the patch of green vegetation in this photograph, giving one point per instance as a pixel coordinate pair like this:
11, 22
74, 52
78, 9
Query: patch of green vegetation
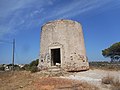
32, 66
112, 52
105, 65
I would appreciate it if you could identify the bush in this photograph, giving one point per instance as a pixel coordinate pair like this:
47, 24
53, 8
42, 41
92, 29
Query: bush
2, 68
26, 67
107, 80
32, 66
16, 67
34, 63
33, 69
104, 65
115, 83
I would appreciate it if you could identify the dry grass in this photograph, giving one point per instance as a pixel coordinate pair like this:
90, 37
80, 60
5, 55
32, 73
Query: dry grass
24, 80
15, 80
107, 80
62, 84
114, 82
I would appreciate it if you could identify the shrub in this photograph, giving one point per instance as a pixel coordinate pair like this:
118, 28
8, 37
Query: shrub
34, 63
107, 80
2, 68
104, 65
115, 83
33, 69
32, 66
26, 67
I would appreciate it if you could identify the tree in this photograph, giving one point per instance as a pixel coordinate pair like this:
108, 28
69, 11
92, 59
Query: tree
112, 52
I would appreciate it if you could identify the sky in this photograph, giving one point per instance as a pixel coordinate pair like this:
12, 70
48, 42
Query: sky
23, 19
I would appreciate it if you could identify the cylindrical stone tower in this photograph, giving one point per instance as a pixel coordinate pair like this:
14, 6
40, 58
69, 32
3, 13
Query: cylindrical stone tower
62, 44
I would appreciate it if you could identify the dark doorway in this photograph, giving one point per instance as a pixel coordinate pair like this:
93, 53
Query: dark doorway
55, 56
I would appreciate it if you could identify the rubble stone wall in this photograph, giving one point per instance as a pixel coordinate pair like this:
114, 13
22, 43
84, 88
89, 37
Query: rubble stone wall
66, 35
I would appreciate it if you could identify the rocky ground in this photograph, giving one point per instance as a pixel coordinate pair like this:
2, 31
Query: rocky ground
95, 77
47, 80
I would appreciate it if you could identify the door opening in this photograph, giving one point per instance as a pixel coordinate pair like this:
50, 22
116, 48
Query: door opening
55, 56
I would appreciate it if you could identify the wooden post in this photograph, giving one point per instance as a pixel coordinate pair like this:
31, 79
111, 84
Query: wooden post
13, 57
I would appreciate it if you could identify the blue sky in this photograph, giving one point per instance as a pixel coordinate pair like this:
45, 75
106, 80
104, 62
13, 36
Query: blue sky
22, 20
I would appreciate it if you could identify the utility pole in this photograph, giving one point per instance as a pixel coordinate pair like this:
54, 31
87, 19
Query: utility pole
13, 57
13, 50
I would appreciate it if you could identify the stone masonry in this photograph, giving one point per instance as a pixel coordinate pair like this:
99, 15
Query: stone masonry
62, 45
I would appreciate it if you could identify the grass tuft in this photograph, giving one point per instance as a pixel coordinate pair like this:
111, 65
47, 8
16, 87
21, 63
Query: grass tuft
114, 82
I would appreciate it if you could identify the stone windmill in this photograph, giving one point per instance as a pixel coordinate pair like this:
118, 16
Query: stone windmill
62, 44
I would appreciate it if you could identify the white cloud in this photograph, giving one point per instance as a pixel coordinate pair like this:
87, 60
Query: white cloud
19, 13
78, 7
4, 30
27, 13
8, 6
36, 12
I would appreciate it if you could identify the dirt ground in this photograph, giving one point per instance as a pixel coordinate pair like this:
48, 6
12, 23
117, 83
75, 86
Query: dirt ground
85, 80
24, 80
